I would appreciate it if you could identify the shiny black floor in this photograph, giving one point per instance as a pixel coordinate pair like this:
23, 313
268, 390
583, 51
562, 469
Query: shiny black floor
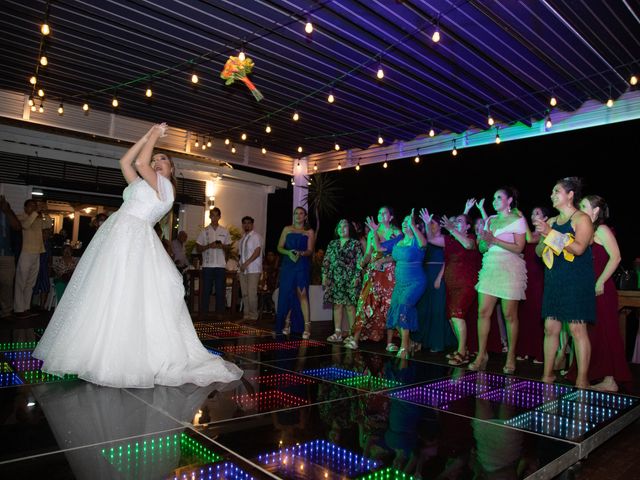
303, 410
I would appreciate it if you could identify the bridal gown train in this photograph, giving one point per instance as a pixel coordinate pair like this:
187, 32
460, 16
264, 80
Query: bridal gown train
123, 321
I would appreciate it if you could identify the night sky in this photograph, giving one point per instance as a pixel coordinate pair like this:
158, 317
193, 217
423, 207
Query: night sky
605, 157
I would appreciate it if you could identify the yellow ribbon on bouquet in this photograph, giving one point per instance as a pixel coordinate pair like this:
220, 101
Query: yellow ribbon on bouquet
556, 244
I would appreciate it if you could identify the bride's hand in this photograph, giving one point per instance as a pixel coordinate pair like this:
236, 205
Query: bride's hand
163, 129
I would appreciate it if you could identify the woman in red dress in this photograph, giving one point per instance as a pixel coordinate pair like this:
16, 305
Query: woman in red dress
531, 338
608, 361
461, 264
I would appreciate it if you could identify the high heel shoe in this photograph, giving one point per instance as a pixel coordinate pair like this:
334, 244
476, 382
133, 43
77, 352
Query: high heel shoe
307, 331
508, 370
287, 328
403, 353
479, 365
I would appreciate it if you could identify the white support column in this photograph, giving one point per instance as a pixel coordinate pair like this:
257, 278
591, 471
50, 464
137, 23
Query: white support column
300, 190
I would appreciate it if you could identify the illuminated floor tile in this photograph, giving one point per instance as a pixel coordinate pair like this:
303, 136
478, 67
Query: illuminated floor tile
369, 382
36, 376
214, 351
578, 411
266, 347
602, 399
388, 473
222, 471
18, 355
488, 380
426, 396
316, 459
26, 365
331, 373
282, 380
268, 400
9, 379
554, 425
136, 459
10, 346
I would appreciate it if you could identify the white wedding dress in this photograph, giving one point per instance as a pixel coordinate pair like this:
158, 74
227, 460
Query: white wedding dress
123, 321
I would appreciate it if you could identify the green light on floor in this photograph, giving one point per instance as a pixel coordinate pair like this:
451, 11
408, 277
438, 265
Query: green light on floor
9, 346
388, 473
36, 376
369, 382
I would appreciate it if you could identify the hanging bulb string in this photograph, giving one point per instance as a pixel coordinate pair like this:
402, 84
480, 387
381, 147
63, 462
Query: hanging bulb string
536, 95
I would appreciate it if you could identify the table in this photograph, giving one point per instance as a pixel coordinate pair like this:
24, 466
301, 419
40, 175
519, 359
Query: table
194, 281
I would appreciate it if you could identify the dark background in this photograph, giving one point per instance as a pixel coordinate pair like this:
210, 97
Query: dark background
605, 157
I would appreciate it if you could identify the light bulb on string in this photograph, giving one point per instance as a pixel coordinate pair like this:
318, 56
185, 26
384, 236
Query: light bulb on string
31, 102
339, 166
296, 116
331, 98
432, 132
454, 152
33, 107
227, 141
553, 101
61, 109
209, 143
85, 107
44, 61
315, 167
610, 99
417, 159
264, 151
40, 92
633, 80
233, 149
148, 92
498, 140
267, 128
380, 72
358, 167
308, 27
241, 55
41, 108
45, 29
436, 35
204, 145
299, 151
114, 102
243, 136
194, 78
384, 165
380, 139
336, 146
197, 144
548, 124
33, 80
490, 119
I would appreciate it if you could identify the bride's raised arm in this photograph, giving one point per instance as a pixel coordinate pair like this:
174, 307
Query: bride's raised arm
143, 160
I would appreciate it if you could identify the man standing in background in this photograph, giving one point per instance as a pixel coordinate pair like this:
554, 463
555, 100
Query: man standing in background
250, 250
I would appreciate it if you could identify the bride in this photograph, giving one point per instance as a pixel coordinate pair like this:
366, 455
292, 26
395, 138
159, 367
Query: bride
122, 321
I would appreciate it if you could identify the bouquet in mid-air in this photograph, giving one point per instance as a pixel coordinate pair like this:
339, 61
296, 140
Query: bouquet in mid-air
236, 69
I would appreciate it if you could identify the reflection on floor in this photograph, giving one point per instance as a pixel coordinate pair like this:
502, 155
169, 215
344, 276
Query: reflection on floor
304, 409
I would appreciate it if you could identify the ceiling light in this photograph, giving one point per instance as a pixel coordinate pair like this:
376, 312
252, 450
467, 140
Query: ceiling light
358, 167
194, 78
380, 139
553, 101
299, 149
432, 132
85, 106
267, 128
33, 80
331, 98
233, 149
209, 143
40, 92
148, 93
296, 116
243, 136
264, 150
61, 109
336, 146
308, 27
227, 141
633, 80
44, 61
44, 29
384, 165
241, 55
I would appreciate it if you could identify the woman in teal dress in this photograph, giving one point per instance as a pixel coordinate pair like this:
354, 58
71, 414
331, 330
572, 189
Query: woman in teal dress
411, 282
569, 279
296, 247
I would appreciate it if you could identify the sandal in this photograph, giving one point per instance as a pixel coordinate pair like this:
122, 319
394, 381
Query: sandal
458, 359
391, 347
403, 353
479, 365
287, 328
335, 337
307, 331
350, 343
451, 355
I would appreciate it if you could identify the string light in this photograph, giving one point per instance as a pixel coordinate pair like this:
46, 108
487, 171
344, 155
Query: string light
227, 141
33, 107
85, 107
204, 145
308, 27
553, 101
45, 29
490, 119
384, 165
194, 78
197, 144
233, 149
548, 124
243, 136
148, 93
33, 80
436, 33
296, 116
299, 150
339, 166
40, 92
241, 55
380, 139
61, 109
432, 132
498, 136
264, 150
41, 108
633, 80
31, 102
44, 61
336, 146
358, 167
209, 143
267, 128
454, 152
315, 167
114, 102
417, 158
380, 72
331, 98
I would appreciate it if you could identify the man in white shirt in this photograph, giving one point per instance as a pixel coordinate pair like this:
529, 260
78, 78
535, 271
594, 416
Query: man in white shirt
250, 250
29, 262
213, 243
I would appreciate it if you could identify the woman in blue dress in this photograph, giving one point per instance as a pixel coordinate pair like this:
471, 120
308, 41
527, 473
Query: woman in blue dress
411, 282
296, 247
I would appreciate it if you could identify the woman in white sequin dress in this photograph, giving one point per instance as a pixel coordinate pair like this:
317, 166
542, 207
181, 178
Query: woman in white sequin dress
123, 321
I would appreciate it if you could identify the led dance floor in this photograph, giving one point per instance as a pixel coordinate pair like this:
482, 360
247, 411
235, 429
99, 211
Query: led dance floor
304, 409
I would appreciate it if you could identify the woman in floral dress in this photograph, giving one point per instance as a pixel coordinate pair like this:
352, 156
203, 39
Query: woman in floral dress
341, 278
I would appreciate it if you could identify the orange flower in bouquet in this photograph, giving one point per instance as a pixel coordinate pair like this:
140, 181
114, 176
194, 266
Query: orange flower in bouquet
236, 69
